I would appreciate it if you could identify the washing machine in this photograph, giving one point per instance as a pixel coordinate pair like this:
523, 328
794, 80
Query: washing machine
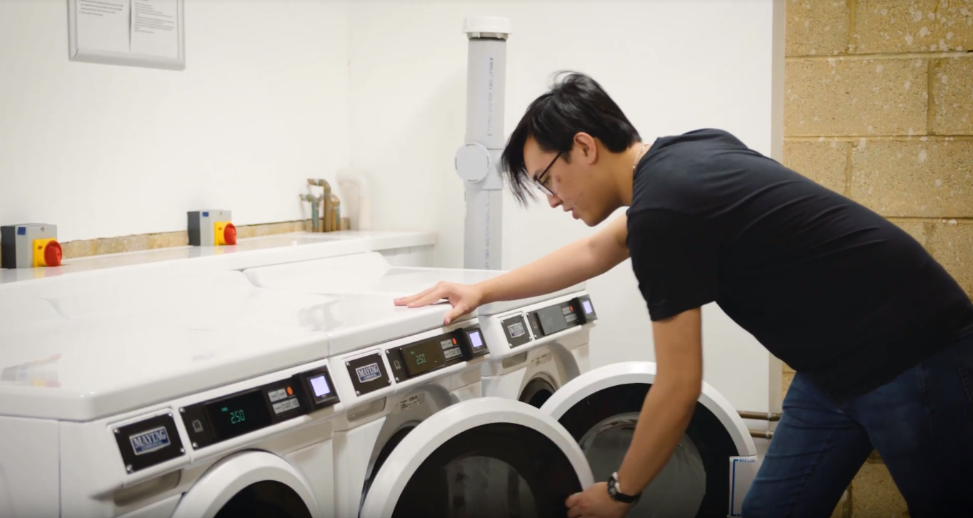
536, 344
120, 418
395, 379
415, 438
131, 407
710, 470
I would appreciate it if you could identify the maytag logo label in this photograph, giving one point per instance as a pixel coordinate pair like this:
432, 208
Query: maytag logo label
368, 373
150, 441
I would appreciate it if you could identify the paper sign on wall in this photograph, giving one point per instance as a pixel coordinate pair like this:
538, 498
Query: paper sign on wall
154, 28
128, 32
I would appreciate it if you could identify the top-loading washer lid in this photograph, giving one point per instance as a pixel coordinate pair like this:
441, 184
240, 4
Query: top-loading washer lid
600, 409
483, 457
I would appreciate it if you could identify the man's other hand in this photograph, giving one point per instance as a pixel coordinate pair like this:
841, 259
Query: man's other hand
594, 502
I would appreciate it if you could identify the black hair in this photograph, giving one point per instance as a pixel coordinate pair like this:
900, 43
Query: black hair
575, 103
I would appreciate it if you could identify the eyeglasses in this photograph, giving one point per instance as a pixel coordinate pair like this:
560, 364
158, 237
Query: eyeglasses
542, 182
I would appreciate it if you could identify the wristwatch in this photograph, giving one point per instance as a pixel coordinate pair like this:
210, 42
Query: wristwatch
614, 491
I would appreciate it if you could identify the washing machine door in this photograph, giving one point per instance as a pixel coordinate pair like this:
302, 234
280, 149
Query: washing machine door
481, 458
708, 473
249, 484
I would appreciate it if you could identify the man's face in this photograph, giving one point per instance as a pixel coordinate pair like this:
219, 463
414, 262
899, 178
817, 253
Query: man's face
573, 186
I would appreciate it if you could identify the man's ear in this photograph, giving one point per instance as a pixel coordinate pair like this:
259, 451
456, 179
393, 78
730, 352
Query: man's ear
586, 143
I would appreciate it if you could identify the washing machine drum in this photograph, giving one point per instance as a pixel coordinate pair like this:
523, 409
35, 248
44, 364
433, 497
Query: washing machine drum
483, 458
601, 409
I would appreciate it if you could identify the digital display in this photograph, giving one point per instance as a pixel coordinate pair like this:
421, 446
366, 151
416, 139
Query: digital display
587, 307
320, 386
239, 415
476, 340
423, 357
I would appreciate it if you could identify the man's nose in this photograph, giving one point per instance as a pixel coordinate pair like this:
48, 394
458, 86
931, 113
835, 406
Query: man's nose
553, 200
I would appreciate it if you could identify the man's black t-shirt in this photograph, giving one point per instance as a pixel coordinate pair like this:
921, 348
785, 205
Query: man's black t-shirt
825, 284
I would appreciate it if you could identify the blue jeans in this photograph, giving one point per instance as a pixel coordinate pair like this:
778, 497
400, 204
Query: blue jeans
921, 423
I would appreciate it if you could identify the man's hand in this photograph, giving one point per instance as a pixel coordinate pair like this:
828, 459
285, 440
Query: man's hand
594, 502
463, 297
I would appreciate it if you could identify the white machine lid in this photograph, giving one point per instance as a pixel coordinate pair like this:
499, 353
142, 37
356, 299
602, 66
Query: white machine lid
116, 350
371, 273
491, 442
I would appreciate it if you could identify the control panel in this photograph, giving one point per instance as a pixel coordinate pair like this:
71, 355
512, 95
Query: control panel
438, 352
220, 419
558, 317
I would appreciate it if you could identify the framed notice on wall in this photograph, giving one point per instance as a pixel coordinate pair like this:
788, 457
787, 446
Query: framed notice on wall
146, 33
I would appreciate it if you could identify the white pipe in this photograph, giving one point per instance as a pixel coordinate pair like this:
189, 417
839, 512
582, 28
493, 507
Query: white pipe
477, 161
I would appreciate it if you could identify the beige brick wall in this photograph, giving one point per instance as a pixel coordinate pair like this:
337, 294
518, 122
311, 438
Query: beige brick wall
878, 106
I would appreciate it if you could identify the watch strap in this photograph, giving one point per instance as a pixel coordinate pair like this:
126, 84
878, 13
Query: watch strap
615, 492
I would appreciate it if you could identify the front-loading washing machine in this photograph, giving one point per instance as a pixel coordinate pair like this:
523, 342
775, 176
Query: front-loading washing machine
396, 373
132, 405
406, 445
536, 344
710, 470
116, 418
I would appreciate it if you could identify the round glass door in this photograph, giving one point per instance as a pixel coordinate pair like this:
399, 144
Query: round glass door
249, 483
537, 392
267, 499
478, 463
601, 411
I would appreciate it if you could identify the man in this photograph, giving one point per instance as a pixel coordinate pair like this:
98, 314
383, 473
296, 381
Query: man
880, 335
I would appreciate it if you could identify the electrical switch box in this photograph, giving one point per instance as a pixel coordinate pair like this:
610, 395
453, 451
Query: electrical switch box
30, 245
211, 228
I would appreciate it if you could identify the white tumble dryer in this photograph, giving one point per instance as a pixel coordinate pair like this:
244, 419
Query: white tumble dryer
536, 345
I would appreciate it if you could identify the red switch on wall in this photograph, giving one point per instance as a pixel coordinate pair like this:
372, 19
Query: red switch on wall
52, 254
47, 252
229, 234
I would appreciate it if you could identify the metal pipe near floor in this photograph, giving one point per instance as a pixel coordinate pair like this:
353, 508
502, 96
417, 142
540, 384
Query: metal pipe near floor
761, 434
760, 416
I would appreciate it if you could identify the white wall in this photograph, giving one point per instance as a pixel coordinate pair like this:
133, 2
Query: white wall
267, 100
107, 150
672, 67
